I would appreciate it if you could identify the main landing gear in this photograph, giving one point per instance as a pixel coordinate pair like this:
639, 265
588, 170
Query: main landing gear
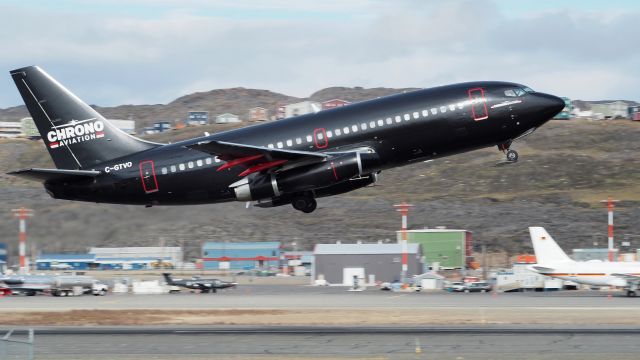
305, 203
631, 293
512, 155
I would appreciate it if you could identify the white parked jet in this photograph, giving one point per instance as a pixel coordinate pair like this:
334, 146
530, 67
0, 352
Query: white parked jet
552, 261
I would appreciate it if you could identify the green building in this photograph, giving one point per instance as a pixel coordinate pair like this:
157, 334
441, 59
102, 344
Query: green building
452, 249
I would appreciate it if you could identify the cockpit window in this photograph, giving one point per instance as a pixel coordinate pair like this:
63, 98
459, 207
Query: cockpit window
516, 92
529, 90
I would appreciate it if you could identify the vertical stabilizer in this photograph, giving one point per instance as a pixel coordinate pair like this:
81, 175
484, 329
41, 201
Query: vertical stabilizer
546, 249
76, 136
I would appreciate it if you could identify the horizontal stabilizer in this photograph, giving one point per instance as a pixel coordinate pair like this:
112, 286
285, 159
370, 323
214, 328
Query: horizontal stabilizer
542, 269
54, 174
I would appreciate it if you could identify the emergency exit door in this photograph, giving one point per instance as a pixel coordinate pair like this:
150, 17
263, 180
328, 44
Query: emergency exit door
478, 104
148, 176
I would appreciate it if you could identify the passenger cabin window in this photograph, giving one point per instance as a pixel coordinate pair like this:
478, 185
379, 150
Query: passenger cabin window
425, 113
372, 124
199, 162
354, 128
338, 132
279, 145
289, 142
181, 167
345, 130
298, 141
416, 115
329, 134
380, 122
270, 146
190, 164
363, 126
452, 107
389, 121
434, 111
173, 168
398, 118
443, 109
309, 138
164, 171
209, 160
407, 117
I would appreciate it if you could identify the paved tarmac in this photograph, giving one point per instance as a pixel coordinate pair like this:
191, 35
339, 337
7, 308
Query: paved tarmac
338, 343
308, 297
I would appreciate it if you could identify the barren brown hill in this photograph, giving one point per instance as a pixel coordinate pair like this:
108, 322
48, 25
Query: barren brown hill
566, 168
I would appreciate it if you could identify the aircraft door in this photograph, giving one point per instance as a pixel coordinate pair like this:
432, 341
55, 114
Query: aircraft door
320, 138
478, 104
148, 176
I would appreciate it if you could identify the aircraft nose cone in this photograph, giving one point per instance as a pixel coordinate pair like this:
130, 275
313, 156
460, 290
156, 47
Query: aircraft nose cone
552, 104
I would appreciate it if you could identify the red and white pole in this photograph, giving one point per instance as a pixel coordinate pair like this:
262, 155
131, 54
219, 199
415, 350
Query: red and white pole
610, 207
22, 214
404, 211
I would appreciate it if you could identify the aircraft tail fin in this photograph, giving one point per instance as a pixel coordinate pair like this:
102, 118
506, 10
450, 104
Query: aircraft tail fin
76, 136
167, 278
546, 249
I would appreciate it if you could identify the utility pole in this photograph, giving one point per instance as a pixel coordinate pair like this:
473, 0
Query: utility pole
22, 214
403, 209
610, 206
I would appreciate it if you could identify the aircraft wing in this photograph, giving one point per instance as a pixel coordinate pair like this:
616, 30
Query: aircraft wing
542, 269
54, 174
255, 158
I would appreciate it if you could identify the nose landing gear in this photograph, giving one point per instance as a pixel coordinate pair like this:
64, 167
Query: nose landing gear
512, 155
305, 203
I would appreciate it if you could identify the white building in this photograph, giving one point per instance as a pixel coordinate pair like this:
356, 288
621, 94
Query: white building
128, 126
10, 129
227, 118
174, 253
301, 108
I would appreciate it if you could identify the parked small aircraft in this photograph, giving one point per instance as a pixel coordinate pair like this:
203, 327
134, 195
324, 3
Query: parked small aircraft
196, 283
552, 261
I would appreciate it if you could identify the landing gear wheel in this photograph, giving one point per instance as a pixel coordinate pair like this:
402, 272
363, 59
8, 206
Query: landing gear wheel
512, 155
631, 293
313, 204
306, 204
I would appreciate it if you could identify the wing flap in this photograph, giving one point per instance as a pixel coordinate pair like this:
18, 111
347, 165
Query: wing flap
38, 174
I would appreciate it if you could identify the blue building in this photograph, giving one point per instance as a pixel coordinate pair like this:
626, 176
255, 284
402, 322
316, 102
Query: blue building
241, 256
3, 252
65, 261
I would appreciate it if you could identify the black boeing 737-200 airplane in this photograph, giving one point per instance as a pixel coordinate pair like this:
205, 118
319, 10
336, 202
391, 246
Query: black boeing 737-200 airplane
289, 161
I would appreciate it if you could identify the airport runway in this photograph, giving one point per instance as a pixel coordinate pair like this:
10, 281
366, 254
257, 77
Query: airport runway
338, 343
308, 297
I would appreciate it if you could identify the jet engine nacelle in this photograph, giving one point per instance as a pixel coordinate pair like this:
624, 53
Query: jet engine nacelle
334, 170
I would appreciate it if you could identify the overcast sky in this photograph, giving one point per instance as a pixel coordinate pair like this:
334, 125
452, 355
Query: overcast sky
152, 51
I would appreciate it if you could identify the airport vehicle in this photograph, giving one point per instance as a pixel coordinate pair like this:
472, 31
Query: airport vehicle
58, 285
196, 283
554, 262
290, 161
480, 286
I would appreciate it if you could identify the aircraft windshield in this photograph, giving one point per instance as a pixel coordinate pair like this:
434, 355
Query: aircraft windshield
515, 92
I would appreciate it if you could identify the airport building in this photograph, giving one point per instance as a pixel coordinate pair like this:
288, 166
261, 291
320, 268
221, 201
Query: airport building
138, 257
241, 256
450, 248
370, 263
601, 254
10, 129
65, 262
